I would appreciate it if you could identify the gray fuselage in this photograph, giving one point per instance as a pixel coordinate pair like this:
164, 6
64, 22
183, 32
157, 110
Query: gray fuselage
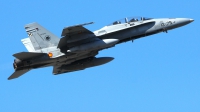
137, 29
122, 31
77, 48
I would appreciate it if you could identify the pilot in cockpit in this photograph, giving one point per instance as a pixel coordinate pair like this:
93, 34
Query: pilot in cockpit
133, 20
116, 22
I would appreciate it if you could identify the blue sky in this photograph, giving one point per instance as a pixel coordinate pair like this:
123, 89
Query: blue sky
159, 73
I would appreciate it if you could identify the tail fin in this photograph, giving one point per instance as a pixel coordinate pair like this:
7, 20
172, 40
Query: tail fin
40, 37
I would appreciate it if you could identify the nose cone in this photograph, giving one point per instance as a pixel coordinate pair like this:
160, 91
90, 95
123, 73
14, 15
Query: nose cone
191, 20
178, 22
183, 21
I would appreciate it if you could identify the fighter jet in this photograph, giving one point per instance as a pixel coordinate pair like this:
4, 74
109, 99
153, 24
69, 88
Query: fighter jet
78, 46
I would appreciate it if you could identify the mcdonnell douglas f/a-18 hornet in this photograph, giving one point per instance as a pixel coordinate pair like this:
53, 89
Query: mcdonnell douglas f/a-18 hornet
78, 46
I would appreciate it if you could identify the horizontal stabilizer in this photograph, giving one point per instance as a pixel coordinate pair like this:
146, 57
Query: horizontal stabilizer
28, 55
17, 74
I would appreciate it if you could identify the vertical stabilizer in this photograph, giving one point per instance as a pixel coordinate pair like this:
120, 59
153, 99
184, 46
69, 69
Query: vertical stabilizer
40, 37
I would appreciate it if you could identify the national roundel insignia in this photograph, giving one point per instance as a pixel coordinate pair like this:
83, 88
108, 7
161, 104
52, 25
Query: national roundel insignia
48, 38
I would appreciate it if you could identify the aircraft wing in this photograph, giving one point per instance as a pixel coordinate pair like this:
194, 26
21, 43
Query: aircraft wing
18, 73
64, 68
75, 35
71, 30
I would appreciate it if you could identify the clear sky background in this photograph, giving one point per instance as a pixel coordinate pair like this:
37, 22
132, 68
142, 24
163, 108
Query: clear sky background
159, 73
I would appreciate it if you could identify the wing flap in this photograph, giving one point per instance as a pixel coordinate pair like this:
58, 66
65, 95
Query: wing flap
28, 55
17, 74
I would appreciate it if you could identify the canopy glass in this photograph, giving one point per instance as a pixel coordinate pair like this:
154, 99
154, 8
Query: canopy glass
129, 19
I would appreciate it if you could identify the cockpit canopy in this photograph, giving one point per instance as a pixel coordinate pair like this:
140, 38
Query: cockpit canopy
129, 19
